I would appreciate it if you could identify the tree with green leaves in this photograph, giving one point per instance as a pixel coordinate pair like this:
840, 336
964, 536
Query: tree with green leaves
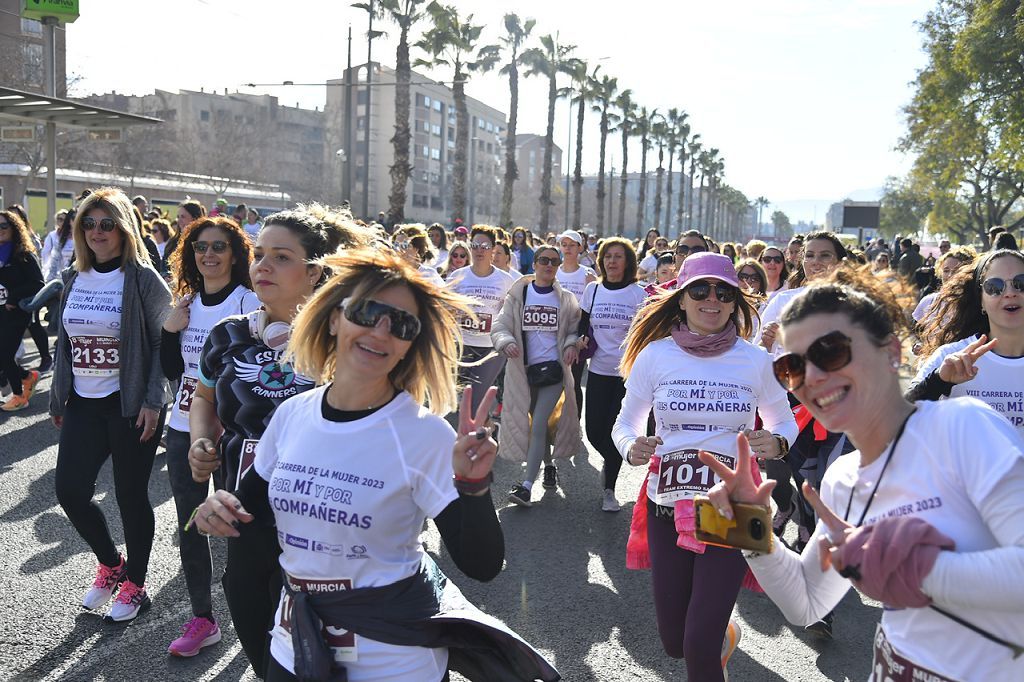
451, 42
782, 226
644, 122
517, 32
904, 209
549, 60
603, 90
627, 122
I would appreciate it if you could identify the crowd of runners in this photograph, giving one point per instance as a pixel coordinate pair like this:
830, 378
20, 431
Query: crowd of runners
322, 385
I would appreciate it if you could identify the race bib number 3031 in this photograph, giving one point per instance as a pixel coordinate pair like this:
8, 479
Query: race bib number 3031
682, 476
95, 356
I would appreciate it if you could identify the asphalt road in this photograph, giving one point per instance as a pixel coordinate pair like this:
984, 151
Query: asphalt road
565, 587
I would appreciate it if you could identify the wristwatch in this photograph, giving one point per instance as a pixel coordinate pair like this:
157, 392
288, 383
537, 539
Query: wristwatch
783, 446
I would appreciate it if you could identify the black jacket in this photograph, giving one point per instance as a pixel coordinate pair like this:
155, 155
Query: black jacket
19, 279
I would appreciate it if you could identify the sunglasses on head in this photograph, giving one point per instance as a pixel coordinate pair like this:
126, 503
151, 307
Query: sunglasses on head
218, 246
402, 324
995, 286
685, 250
772, 259
829, 353
106, 225
699, 291
547, 260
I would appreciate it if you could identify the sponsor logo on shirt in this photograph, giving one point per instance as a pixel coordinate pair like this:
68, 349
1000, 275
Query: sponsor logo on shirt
358, 552
324, 548
296, 541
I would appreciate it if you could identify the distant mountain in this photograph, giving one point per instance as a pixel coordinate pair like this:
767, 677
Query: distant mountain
814, 210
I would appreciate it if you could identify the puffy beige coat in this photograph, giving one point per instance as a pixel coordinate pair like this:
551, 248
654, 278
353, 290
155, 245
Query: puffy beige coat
514, 435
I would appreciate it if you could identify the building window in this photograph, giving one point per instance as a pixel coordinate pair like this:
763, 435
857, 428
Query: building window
435, 202
490, 127
419, 200
480, 123
361, 96
451, 144
435, 129
426, 101
32, 66
438, 106
31, 27
426, 152
360, 123
204, 115
426, 126
490, 148
425, 176
435, 154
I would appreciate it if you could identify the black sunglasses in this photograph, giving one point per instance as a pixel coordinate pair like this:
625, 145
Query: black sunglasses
995, 286
403, 325
217, 246
699, 291
547, 260
687, 250
830, 353
772, 259
750, 277
106, 225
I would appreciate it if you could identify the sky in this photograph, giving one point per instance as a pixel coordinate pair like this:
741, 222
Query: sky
803, 98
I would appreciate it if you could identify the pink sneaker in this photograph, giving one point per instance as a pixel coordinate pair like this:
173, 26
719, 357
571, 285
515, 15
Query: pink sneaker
195, 634
129, 602
107, 580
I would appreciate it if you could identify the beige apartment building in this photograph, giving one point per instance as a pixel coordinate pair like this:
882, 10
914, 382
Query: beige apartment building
432, 125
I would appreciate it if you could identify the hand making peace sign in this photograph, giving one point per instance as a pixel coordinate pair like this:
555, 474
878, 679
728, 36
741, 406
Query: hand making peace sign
959, 367
474, 451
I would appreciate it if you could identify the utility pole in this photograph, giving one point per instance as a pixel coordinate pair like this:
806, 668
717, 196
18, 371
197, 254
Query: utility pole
50, 78
349, 151
369, 90
567, 156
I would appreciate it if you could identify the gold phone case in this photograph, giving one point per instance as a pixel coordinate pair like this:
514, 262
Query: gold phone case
752, 529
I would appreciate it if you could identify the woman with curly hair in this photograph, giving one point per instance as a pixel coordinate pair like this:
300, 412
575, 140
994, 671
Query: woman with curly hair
20, 278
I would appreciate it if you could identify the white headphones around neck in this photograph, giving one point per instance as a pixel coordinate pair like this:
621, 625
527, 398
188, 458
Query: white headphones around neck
273, 335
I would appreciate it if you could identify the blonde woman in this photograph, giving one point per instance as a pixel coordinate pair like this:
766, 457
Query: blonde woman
377, 337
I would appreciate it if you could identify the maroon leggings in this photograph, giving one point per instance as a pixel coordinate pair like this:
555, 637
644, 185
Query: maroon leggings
693, 596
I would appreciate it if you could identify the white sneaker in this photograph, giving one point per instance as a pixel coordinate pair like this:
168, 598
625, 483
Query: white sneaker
610, 504
107, 580
130, 601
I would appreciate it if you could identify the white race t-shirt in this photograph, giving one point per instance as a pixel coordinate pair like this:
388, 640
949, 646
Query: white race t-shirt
540, 325
490, 292
430, 274
350, 516
575, 282
951, 455
999, 383
923, 309
201, 319
650, 264
252, 229
773, 311
92, 321
611, 313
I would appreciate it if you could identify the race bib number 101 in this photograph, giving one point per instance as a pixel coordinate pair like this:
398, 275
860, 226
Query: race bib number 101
95, 356
682, 476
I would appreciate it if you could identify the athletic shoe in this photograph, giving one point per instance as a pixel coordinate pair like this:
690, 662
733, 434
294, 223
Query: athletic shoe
779, 521
130, 601
195, 634
107, 580
15, 403
733, 635
609, 503
45, 365
520, 495
28, 384
823, 628
550, 476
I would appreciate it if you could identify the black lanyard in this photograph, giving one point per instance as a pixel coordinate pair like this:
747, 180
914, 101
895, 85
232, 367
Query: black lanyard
874, 491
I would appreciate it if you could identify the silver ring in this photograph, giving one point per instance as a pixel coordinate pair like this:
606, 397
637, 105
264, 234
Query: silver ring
210, 516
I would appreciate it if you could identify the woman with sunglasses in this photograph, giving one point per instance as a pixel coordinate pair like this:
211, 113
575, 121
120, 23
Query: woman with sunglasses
773, 260
377, 337
20, 278
649, 263
609, 306
752, 277
975, 338
458, 258
211, 272
108, 393
243, 378
489, 286
412, 242
686, 358
522, 250
924, 516
536, 331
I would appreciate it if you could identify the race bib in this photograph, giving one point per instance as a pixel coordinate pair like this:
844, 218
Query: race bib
540, 318
186, 393
682, 476
247, 458
889, 666
342, 642
481, 325
95, 356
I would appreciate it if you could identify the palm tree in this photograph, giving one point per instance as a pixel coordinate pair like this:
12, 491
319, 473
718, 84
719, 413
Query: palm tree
405, 13
627, 123
516, 33
761, 203
660, 134
694, 148
644, 121
549, 60
683, 137
603, 91
584, 95
451, 42
674, 121
708, 163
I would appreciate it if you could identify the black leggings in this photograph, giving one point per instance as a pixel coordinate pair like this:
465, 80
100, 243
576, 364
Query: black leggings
12, 330
252, 585
577, 377
94, 430
193, 548
604, 401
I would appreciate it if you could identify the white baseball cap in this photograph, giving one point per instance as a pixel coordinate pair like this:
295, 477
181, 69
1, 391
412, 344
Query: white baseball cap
573, 235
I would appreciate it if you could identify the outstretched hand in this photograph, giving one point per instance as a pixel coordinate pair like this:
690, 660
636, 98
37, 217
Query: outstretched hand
474, 451
737, 485
957, 368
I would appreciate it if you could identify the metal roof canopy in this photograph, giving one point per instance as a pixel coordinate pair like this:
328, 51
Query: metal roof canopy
33, 108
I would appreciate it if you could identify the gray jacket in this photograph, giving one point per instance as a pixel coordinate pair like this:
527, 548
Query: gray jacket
144, 305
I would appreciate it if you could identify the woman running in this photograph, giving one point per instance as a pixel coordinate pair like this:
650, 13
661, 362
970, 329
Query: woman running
522, 250
20, 278
924, 516
536, 331
350, 472
439, 242
412, 243
458, 258
686, 359
108, 394
211, 270
609, 306
503, 259
774, 262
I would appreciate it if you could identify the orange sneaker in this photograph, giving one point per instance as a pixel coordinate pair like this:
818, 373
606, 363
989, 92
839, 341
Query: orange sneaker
28, 384
15, 403
733, 635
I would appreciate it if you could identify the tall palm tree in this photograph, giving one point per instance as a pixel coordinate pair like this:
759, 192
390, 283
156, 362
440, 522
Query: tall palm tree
627, 124
549, 60
660, 134
604, 90
761, 203
516, 33
694, 148
581, 85
451, 42
644, 121
683, 139
674, 120
405, 13
717, 173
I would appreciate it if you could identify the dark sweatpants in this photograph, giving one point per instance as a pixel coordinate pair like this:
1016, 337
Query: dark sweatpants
604, 402
12, 330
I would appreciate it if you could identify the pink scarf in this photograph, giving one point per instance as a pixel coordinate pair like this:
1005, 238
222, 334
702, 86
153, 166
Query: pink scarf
704, 346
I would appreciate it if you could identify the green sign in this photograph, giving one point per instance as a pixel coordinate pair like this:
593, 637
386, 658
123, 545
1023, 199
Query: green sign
66, 11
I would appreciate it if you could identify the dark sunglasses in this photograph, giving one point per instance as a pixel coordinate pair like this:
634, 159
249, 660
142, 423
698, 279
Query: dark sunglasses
687, 250
699, 291
106, 225
547, 260
772, 259
217, 246
995, 286
830, 353
403, 325
750, 277
480, 246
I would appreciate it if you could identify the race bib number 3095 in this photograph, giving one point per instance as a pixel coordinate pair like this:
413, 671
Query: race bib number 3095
681, 475
95, 356
540, 318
